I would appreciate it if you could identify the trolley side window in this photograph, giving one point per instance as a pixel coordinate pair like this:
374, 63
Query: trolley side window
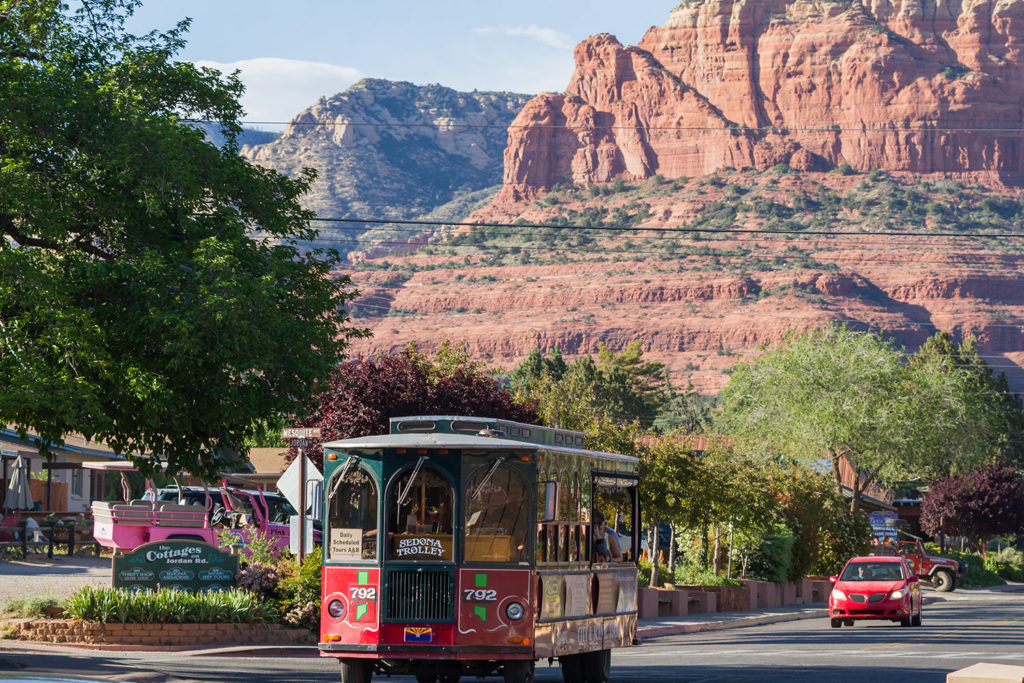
497, 516
616, 497
420, 517
352, 516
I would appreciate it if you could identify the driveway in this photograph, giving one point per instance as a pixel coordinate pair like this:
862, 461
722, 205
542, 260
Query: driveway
56, 578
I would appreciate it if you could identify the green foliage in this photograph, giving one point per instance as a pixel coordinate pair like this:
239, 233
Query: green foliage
28, 608
107, 605
772, 558
834, 393
1007, 562
1001, 409
978, 574
644, 574
155, 294
692, 575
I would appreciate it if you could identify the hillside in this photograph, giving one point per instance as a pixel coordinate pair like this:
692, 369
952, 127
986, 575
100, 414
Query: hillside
702, 300
393, 150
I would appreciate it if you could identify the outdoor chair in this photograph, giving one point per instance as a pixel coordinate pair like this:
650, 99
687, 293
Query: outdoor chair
35, 539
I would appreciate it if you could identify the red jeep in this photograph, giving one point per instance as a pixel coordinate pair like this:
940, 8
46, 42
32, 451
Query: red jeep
942, 572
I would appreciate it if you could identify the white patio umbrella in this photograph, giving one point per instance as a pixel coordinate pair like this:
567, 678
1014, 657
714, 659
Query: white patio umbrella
19, 493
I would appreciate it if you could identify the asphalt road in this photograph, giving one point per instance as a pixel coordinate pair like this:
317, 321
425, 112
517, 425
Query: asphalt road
959, 631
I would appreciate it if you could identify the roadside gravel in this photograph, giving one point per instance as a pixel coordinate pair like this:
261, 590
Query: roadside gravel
57, 578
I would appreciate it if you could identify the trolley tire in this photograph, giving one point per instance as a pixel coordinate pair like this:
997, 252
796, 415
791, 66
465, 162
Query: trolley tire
597, 666
518, 671
356, 670
572, 668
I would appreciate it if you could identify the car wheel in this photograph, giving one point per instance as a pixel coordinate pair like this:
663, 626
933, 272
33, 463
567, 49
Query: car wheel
916, 620
905, 621
848, 622
943, 580
836, 623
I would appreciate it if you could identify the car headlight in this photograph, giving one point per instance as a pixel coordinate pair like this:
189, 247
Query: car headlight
838, 594
514, 611
336, 608
898, 594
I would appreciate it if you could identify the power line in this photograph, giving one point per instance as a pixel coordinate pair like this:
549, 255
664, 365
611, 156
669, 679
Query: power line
662, 229
725, 128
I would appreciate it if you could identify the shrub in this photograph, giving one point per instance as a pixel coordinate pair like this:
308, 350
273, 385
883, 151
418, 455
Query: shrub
28, 608
693, 575
644, 573
773, 557
108, 605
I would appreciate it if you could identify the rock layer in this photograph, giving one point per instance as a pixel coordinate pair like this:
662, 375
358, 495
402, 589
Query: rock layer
927, 86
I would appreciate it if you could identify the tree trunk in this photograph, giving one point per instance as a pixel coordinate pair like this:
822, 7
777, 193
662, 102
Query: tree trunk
704, 544
654, 554
728, 571
717, 555
855, 500
672, 551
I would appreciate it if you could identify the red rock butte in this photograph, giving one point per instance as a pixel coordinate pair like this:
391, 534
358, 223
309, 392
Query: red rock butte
925, 86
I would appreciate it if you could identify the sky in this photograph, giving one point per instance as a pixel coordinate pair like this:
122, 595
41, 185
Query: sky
290, 54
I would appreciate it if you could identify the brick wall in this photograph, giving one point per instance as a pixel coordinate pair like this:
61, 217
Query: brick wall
75, 631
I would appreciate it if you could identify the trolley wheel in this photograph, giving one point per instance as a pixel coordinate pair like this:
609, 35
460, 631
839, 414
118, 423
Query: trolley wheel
572, 668
356, 670
597, 666
519, 671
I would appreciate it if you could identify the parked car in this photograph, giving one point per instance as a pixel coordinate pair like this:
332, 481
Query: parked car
884, 588
943, 573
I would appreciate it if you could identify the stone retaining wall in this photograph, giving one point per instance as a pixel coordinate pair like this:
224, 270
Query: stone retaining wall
95, 633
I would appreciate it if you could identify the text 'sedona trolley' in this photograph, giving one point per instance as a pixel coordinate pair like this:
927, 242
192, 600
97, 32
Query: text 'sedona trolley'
464, 546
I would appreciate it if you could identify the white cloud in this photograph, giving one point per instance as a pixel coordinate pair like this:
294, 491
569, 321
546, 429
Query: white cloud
278, 89
546, 36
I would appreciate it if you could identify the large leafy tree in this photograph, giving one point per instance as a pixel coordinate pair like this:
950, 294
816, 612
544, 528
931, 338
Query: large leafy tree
1004, 409
152, 291
362, 395
834, 393
976, 505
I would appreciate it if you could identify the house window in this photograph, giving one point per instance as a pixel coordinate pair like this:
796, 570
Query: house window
76, 483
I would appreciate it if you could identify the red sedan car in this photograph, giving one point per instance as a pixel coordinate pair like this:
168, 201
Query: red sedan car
875, 588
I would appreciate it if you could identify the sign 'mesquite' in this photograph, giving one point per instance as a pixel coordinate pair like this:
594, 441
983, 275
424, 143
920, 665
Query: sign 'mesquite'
186, 565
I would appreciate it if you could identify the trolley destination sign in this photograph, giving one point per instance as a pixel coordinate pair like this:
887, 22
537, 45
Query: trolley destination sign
184, 565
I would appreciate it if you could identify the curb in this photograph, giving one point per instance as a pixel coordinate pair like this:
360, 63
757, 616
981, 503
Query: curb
697, 627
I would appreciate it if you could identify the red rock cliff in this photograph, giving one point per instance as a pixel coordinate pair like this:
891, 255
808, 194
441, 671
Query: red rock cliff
906, 85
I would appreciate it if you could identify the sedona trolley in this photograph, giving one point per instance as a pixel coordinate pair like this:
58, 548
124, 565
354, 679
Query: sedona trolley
464, 546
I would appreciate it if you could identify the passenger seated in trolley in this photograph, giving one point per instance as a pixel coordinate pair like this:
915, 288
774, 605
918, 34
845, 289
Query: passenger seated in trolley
606, 541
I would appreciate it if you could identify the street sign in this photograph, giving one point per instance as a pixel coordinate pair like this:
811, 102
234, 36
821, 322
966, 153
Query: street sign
288, 484
291, 433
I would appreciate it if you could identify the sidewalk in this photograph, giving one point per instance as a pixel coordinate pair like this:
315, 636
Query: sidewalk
695, 623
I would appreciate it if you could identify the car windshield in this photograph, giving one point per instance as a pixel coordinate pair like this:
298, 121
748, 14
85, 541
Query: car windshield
872, 571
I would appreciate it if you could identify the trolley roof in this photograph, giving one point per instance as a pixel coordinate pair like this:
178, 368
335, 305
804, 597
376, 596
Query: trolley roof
465, 442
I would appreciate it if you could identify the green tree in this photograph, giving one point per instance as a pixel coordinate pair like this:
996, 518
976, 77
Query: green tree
153, 294
833, 393
1003, 409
